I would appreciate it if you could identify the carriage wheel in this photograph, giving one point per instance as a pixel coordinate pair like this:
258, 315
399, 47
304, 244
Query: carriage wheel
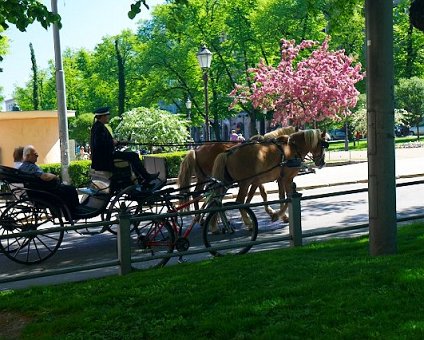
228, 227
125, 200
154, 237
30, 215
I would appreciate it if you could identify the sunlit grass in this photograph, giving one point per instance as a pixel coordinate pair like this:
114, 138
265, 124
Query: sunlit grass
362, 144
326, 290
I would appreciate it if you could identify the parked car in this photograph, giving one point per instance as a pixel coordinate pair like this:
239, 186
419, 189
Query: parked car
413, 129
337, 134
402, 130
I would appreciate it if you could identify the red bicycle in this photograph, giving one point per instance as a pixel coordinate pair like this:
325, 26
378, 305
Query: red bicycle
227, 226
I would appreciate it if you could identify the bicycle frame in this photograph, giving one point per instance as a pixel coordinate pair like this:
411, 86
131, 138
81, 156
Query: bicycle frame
172, 208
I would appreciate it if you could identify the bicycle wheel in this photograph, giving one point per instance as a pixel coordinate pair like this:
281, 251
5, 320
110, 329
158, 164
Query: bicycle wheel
126, 201
30, 215
226, 228
155, 237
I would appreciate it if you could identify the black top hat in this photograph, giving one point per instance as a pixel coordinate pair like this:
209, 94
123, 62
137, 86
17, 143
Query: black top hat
101, 111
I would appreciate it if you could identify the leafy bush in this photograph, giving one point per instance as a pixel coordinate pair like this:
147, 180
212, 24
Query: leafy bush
79, 172
152, 128
53, 168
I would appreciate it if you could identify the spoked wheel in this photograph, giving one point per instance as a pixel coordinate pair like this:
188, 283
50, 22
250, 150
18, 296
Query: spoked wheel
226, 228
126, 200
155, 237
30, 215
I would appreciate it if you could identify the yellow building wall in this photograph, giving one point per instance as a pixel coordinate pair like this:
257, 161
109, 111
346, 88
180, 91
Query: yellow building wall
39, 128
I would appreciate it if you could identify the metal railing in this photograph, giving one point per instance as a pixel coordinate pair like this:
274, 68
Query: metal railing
125, 260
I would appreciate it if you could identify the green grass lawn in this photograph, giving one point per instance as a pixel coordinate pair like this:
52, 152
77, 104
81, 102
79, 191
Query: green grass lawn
326, 290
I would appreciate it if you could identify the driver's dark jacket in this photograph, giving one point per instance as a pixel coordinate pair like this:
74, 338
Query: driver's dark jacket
102, 147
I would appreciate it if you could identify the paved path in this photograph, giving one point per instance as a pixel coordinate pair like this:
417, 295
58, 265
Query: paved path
409, 163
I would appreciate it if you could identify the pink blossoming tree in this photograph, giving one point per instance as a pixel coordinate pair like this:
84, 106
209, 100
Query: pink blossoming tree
303, 89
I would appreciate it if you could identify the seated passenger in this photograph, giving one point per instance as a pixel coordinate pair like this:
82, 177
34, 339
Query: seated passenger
67, 193
18, 154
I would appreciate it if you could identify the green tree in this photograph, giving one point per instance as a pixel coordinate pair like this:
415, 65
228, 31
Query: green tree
408, 44
80, 128
34, 68
409, 96
121, 79
22, 13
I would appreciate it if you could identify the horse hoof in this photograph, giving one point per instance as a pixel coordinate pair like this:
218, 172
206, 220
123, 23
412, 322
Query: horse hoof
285, 220
274, 217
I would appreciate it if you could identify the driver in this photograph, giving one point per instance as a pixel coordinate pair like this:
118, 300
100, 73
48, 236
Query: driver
103, 148
67, 193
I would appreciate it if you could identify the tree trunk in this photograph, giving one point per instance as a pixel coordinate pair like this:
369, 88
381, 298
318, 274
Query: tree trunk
121, 80
409, 53
35, 101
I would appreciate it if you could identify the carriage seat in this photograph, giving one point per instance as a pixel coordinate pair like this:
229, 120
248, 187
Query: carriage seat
120, 177
16, 178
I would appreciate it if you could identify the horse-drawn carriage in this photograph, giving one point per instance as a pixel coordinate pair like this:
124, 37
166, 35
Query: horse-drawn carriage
32, 224
36, 210
32, 205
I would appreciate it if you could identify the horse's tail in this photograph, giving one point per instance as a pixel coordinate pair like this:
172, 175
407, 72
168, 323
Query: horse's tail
186, 171
219, 167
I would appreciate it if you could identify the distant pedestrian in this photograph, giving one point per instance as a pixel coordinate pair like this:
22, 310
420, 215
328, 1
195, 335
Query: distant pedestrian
233, 136
240, 138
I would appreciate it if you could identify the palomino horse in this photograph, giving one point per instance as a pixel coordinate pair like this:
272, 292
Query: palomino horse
199, 162
252, 165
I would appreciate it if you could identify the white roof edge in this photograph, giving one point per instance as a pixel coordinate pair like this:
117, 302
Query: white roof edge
6, 115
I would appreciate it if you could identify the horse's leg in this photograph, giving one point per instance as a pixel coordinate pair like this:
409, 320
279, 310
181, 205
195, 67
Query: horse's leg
196, 193
241, 199
282, 195
199, 186
264, 195
287, 189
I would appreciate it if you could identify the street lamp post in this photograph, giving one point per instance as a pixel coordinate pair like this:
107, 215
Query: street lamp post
205, 57
188, 106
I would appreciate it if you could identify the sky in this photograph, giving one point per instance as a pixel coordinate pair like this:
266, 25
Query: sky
84, 23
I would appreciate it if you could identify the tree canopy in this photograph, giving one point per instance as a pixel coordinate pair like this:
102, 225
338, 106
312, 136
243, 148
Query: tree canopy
158, 62
303, 89
409, 96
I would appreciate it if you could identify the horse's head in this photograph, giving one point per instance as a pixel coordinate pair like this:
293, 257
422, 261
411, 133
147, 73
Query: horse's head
310, 141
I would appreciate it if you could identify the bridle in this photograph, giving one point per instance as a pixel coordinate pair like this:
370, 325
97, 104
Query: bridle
319, 160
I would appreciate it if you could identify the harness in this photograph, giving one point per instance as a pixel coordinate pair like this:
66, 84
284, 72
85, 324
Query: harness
289, 163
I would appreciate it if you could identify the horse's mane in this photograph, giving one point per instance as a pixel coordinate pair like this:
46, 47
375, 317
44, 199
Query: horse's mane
312, 137
288, 130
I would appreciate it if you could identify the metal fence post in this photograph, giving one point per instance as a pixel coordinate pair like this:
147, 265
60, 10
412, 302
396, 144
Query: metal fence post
124, 243
295, 218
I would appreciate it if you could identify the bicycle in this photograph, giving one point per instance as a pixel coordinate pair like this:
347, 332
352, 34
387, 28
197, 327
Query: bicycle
162, 234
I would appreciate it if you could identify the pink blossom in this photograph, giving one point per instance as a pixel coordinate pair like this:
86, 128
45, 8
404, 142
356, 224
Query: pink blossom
311, 89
